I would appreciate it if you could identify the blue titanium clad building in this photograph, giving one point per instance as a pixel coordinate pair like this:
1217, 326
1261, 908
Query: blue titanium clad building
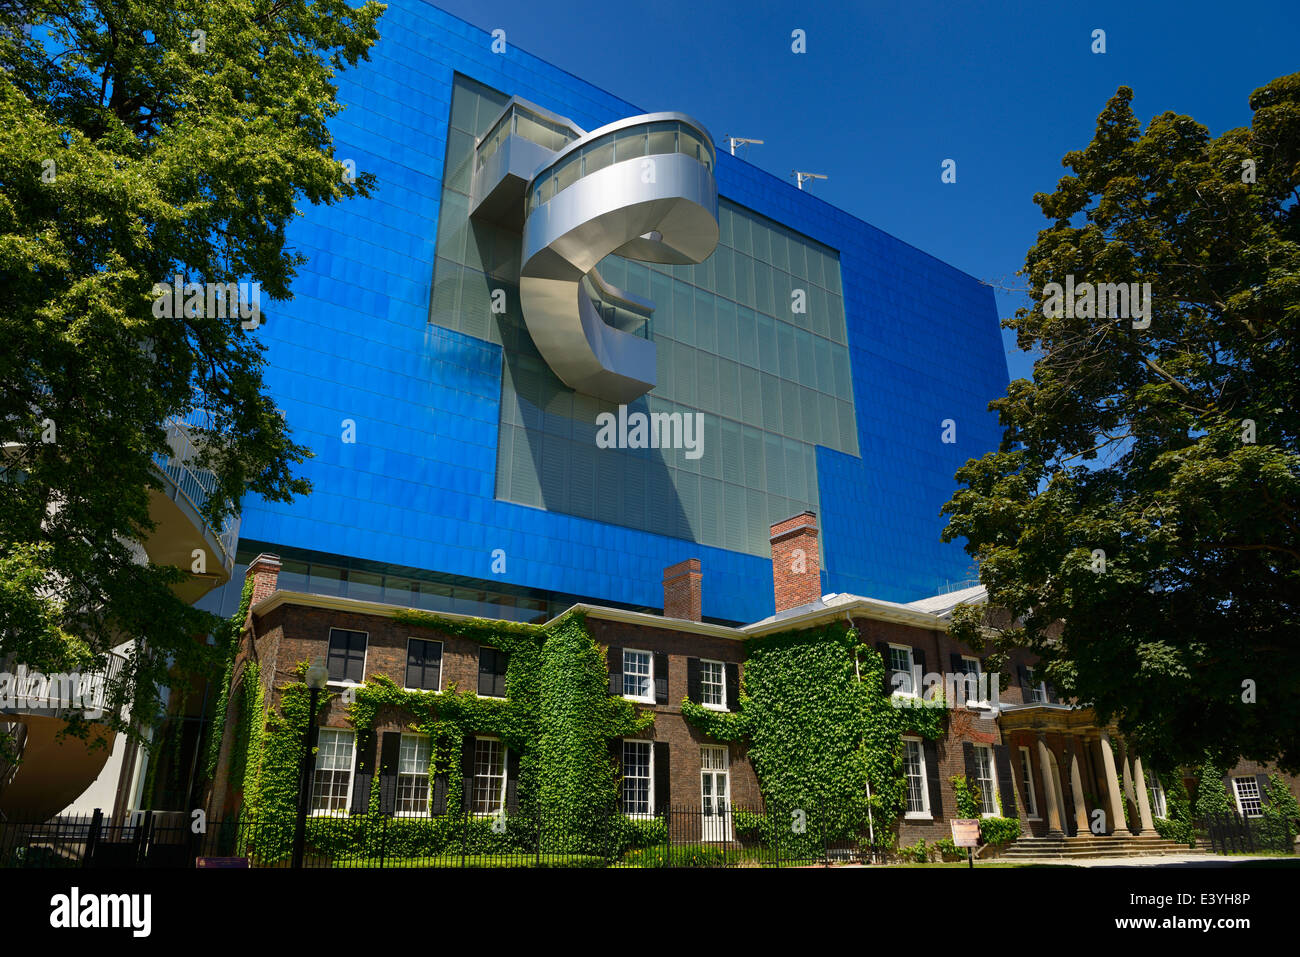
547, 278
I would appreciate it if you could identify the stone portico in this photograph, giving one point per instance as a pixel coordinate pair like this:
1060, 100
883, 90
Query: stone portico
1075, 768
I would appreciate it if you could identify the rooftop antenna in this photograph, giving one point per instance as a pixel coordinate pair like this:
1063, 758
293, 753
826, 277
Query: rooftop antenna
807, 176
743, 140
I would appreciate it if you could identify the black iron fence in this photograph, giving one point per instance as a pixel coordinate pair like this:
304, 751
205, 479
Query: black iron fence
1232, 833
675, 837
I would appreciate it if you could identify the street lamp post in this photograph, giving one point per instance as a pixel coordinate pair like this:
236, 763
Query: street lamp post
317, 675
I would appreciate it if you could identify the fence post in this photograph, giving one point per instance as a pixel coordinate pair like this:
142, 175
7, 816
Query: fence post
776, 837
142, 836
464, 837
92, 838
537, 827
826, 848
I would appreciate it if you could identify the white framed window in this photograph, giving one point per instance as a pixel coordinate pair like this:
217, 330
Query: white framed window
489, 776
346, 656
1158, 805
715, 792
900, 663
713, 685
1027, 776
986, 778
638, 676
331, 789
413, 775
1249, 801
1037, 688
638, 778
918, 787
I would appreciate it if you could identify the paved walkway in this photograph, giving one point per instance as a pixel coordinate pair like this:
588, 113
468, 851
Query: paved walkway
1153, 860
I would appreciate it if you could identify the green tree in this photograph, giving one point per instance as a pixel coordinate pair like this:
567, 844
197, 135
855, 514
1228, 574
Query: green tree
141, 139
1139, 519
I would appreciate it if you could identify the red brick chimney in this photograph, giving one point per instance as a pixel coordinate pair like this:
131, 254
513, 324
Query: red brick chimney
683, 594
264, 570
796, 565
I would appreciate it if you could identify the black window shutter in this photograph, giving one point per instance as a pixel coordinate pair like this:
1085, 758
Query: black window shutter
1051, 693
733, 686
661, 677
968, 756
693, 679
389, 750
1006, 783
499, 678
486, 667
467, 768
440, 793
932, 777
883, 648
365, 771
957, 665
512, 782
1262, 781
1022, 675
918, 658
663, 780
615, 658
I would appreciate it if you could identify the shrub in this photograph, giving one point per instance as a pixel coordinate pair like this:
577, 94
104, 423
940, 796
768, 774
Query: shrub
949, 851
917, 853
687, 856
999, 830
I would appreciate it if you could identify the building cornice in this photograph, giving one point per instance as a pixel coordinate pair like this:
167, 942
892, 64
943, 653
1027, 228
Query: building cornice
855, 608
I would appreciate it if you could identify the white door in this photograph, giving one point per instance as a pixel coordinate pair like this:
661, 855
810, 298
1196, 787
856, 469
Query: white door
715, 789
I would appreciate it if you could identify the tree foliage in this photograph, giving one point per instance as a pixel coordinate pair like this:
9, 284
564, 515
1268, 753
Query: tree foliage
1139, 519
139, 140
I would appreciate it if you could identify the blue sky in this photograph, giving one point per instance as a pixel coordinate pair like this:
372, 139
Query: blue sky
887, 91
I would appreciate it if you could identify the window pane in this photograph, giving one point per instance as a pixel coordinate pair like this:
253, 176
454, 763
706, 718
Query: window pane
423, 664
347, 655
333, 772
636, 674
489, 775
636, 777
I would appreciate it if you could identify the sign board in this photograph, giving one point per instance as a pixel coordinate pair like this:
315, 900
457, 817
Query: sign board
221, 862
966, 832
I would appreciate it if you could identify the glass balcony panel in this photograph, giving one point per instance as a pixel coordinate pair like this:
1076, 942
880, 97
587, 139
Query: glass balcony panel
598, 155
663, 138
630, 143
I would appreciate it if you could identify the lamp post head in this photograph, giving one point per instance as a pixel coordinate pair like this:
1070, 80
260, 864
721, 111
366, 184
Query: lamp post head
317, 675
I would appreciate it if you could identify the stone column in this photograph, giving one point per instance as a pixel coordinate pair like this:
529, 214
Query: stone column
1076, 790
1116, 809
1144, 803
1049, 789
1126, 764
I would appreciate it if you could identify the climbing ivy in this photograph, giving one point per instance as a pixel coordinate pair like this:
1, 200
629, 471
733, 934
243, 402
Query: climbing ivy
230, 639
559, 719
822, 731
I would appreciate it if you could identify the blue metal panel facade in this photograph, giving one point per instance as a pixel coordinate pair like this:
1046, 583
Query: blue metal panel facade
416, 487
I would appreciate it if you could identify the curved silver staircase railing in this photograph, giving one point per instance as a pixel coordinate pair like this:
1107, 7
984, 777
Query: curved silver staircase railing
641, 188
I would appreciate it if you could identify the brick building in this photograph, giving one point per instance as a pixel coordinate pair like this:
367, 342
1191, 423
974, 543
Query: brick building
1032, 755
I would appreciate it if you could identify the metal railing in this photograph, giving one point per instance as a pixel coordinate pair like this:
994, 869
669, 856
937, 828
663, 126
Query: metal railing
1233, 833
675, 838
59, 694
195, 485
